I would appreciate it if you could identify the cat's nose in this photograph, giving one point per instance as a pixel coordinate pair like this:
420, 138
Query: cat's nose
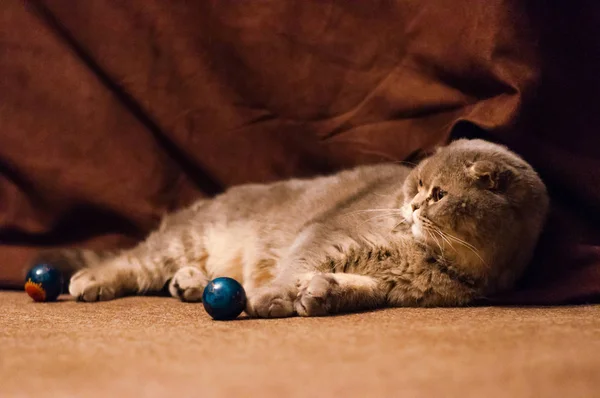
415, 206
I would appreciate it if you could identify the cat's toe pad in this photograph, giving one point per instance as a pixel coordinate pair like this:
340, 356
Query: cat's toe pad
87, 285
314, 296
188, 284
270, 303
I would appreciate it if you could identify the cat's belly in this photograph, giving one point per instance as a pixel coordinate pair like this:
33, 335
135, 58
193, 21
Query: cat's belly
241, 250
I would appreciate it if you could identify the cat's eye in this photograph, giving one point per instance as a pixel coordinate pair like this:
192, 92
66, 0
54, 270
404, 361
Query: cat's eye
420, 182
437, 194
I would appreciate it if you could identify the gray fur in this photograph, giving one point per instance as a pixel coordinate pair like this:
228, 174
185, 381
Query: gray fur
364, 238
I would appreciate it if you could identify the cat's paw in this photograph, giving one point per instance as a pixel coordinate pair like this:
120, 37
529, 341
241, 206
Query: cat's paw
91, 285
188, 284
271, 302
314, 296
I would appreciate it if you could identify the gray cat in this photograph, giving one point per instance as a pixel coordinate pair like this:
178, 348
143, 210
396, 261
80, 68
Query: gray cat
459, 226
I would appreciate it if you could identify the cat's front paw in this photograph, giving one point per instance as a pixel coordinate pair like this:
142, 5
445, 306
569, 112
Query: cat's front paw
188, 284
91, 285
271, 302
314, 296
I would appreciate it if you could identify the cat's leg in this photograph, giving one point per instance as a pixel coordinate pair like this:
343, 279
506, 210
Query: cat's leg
326, 274
332, 293
174, 252
276, 299
317, 294
132, 272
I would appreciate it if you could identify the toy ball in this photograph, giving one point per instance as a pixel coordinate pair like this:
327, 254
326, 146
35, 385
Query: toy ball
224, 298
43, 283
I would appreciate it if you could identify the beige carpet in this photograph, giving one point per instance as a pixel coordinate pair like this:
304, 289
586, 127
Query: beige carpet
159, 347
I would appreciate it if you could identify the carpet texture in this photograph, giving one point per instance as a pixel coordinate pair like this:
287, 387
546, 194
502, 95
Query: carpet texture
159, 347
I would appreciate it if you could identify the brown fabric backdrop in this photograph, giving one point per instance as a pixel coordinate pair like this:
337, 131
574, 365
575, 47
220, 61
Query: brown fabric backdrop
114, 112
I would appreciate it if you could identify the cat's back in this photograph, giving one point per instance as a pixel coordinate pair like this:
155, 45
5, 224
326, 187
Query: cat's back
306, 198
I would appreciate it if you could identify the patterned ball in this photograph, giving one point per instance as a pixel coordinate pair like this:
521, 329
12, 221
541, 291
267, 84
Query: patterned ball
224, 298
43, 283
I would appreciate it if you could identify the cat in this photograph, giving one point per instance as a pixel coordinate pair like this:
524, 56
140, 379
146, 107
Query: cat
459, 226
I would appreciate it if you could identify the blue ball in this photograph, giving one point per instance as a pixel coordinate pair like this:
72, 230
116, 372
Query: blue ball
224, 298
43, 283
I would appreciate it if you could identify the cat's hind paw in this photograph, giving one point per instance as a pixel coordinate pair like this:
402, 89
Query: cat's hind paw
89, 285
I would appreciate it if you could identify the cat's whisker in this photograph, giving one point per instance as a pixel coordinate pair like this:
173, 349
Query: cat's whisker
404, 162
399, 211
397, 225
468, 246
380, 216
444, 238
465, 243
429, 232
383, 195
431, 226
389, 195
389, 213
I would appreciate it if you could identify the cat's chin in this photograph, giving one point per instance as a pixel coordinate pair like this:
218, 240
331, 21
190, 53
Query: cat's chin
417, 231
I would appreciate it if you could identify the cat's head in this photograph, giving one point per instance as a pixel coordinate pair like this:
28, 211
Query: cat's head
479, 205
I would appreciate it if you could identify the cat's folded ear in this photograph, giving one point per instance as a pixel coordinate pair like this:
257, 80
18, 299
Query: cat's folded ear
490, 175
